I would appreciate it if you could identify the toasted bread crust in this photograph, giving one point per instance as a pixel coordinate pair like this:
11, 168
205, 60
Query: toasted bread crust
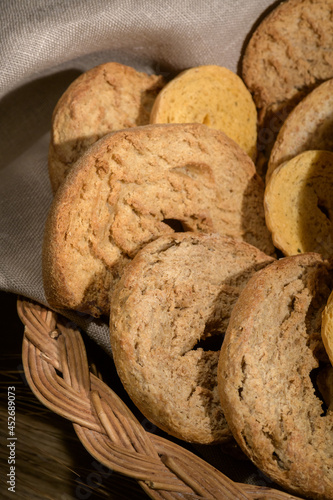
269, 358
177, 291
288, 55
309, 126
122, 194
106, 98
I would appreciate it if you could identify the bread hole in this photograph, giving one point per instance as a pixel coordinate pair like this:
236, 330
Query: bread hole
212, 342
324, 210
240, 390
177, 225
317, 379
280, 462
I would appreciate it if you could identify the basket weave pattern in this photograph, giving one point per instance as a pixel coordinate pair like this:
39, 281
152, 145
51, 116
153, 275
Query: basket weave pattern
57, 370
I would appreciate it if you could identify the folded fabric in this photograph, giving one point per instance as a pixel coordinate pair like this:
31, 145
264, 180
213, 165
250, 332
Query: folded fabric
46, 46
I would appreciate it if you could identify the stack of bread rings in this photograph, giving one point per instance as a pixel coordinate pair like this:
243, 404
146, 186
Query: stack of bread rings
195, 216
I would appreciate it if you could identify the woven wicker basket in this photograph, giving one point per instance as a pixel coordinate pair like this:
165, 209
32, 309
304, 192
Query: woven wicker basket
57, 370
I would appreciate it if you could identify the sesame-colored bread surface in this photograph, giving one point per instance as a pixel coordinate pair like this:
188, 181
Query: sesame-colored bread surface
135, 185
212, 95
299, 204
289, 53
175, 295
309, 126
271, 359
108, 97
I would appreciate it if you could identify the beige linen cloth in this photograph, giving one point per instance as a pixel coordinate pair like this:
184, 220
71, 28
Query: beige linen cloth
45, 45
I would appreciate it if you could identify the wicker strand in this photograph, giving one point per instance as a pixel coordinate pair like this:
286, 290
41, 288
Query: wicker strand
172, 465
76, 361
57, 370
136, 432
259, 491
66, 389
32, 364
110, 430
49, 348
215, 482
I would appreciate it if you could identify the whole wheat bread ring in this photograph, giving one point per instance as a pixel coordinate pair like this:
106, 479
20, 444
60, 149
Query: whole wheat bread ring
308, 127
108, 97
175, 295
270, 359
135, 185
288, 55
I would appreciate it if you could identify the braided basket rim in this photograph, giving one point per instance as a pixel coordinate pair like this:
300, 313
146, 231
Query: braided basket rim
57, 371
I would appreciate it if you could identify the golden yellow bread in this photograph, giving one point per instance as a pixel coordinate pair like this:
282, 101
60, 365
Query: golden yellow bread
298, 204
212, 95
327, 327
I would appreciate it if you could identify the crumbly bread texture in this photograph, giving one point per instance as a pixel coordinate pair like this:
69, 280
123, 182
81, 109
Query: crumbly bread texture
309, 126
109, 97
327, 330
212, 95
289, 53
135, 185
177, 292
267, 371
299, 204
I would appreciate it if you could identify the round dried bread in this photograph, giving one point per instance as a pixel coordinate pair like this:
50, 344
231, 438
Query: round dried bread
135, 185
289, 53
308, 127
212, 95
299, 205
178, 292
269, 361
108, 97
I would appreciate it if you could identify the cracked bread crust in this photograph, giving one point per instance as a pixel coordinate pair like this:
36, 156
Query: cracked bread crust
126, 191
178, 290
288, 55
271, 354
109, 97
